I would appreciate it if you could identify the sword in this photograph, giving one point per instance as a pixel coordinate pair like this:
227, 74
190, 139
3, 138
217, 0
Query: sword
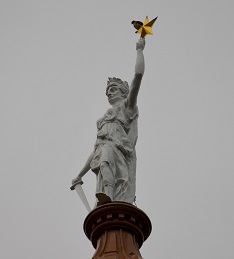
77, 186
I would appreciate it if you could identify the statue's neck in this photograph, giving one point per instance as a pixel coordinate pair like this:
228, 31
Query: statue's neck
117, 103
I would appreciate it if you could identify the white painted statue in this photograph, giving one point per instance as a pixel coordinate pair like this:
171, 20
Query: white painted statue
113, 159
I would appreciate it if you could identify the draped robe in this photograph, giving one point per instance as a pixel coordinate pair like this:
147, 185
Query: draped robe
115, 144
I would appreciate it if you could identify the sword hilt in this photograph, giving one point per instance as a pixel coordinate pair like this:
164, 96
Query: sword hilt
74, 185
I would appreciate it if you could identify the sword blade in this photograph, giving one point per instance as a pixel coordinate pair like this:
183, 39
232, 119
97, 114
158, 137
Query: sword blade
82, 196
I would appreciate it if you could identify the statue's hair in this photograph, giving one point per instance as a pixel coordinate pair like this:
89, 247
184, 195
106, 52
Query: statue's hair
123, 85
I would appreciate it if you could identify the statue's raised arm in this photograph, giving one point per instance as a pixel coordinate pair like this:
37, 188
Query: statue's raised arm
139, 72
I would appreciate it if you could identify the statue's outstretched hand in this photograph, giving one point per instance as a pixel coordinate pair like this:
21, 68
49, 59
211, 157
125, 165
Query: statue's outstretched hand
140, 44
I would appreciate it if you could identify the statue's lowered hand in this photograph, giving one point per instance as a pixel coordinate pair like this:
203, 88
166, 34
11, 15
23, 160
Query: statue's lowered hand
75, 181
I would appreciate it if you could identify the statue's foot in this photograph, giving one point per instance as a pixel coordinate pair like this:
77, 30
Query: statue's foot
102, 198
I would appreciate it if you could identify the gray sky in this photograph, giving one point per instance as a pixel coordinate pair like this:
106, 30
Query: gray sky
55, 57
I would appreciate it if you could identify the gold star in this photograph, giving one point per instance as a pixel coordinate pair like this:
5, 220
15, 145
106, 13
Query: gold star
146, 28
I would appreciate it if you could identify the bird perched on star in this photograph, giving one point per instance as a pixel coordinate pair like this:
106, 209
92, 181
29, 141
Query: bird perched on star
144, 28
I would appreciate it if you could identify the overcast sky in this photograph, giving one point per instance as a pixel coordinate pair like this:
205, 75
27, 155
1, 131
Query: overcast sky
55, 57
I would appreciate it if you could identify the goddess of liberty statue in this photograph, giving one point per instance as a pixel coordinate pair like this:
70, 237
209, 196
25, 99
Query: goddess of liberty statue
113, 159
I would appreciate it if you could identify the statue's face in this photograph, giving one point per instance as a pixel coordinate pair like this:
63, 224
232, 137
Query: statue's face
114, 94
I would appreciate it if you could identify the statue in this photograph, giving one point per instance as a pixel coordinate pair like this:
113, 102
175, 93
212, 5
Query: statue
113, 159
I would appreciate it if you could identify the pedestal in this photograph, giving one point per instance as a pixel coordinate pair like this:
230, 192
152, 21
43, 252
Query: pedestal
117, 230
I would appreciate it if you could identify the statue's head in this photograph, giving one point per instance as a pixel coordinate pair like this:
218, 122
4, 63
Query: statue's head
121, 85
